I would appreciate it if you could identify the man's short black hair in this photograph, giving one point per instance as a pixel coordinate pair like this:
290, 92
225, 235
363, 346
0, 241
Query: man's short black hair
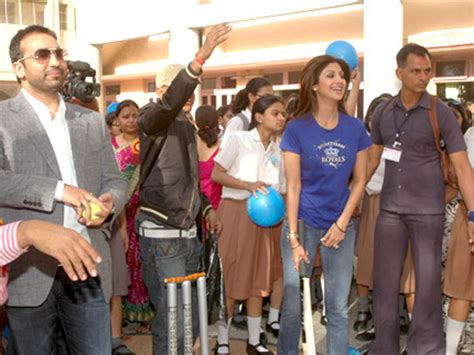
410, 48
15, 52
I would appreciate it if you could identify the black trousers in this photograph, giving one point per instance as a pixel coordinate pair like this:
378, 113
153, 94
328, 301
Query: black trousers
392, 233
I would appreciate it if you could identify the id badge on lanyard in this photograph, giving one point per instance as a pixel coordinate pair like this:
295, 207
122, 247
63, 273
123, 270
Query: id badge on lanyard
393, 152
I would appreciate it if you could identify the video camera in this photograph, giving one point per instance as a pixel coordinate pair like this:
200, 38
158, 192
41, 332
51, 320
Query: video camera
76, 84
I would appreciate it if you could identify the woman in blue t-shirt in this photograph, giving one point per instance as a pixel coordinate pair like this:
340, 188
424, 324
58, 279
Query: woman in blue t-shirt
324, 150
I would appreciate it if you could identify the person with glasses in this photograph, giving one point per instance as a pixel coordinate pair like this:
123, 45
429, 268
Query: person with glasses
56, 162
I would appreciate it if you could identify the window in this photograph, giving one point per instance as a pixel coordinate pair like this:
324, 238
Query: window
63, 16
39, 12
208, 83
151, 86
112, 90
274, 78
294, 77
13, 11
24, 12
28, 12
451, 68
228, 82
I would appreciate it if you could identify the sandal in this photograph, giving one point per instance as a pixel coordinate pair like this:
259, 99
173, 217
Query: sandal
218, 346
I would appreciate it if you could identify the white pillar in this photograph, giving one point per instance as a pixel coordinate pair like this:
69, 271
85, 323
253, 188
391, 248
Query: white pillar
383, 38
183, 45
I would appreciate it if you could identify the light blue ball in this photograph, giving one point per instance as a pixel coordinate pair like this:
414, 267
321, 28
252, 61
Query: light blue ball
345, 51
354, 351
266, 210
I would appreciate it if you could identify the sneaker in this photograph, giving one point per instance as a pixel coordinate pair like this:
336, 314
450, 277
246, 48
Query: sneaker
368, 335
362, 321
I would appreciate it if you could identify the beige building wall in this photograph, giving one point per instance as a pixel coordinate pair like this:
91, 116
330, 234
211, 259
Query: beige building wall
276, 38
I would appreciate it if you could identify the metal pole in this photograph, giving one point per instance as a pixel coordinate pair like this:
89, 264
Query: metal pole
172, 319
202, 302
188, 318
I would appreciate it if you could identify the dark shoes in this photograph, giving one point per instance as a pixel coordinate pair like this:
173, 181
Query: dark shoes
271, 328
368, 335
122, 350
362, 321
323, 321
404, 325
254, 349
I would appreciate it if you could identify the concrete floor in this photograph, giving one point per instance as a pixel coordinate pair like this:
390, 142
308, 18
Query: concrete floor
141, 344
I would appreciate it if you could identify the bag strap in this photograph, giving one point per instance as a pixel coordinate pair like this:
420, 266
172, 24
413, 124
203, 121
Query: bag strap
435, 124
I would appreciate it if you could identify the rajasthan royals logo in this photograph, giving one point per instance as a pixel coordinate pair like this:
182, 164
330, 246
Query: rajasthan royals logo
332, 154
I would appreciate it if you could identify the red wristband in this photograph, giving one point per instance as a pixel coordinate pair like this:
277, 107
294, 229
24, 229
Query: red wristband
199, 59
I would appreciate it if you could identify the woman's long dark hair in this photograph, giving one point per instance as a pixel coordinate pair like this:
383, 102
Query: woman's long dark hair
373, 105
207, 120
241, 100
261, 105
456, 105
310, 76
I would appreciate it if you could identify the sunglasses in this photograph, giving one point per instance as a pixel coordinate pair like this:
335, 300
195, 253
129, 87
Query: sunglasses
43, 55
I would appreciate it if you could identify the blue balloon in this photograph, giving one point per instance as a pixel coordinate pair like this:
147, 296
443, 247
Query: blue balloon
345, 51
112, 107
266, 210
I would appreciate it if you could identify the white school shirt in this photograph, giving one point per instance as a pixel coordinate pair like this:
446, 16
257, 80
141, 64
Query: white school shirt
469, 139
235, 124
245, 158
374, 186
58, 135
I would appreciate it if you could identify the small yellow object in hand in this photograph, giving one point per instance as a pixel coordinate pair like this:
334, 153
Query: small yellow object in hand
95, 208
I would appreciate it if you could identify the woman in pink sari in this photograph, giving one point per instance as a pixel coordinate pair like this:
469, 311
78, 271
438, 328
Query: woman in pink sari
127, 150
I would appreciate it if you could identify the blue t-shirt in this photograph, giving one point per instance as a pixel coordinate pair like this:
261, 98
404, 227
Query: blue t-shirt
327, 160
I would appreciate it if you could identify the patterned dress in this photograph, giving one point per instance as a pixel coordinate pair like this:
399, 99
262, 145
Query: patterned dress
136, 305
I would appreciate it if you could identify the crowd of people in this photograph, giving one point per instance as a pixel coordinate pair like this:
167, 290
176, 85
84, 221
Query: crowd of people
163, 181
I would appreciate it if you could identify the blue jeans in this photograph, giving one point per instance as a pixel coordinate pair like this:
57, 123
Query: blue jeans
162, 258
337, 269
77, 307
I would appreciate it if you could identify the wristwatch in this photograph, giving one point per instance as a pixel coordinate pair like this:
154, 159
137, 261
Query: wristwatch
470, 216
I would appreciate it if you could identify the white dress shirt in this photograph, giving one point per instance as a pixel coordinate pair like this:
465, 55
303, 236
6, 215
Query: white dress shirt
245, 158
58, 133
235, 124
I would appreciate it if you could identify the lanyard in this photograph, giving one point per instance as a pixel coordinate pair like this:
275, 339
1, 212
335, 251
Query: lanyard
399, 127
